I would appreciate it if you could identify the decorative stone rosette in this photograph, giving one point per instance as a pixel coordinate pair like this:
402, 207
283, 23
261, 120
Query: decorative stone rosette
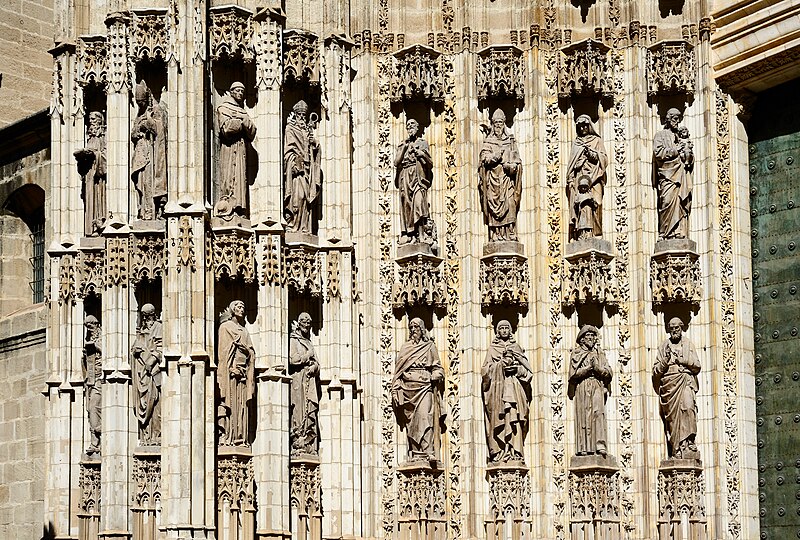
419, 279
504, 275
675, 273
509, 500
594, 489
681, 512
589, 275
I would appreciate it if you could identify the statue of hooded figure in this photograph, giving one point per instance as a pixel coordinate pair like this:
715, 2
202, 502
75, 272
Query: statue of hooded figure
236, 130
588, 160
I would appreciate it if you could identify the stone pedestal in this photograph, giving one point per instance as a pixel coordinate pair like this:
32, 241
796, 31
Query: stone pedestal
504, 275
419, 279
146, 503
675, 272
301, 263
147, 250
589, 275
681, 512
236, 512
305, 497
233, 253
594, 498
421, 512
510, 506
89, 502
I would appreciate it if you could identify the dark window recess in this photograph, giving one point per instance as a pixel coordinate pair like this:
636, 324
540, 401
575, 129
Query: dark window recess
37, 261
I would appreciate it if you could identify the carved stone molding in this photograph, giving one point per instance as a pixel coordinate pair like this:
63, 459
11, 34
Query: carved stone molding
267, 47
419, 280
147, 477
594, 490
500, 73
89, 501
120, 68
147, 256
92, 272
301, 269
301, 58
680, 499
509, 502
417, 75
117, 261
584, 70
67, 281
504, 276
92, 61
671, 68
185, 244
305, 489
675, 273
233, 254
231, 33
589, 276
421, 501
334, 260
271, 260
149, 35
236, 482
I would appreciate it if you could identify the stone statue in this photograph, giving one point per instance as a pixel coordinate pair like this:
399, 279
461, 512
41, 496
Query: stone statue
500, 174
301, 165
235, 376
149, 163
675, 382
506, 388
587, 162
414, 176
304, 369
673, 161
236, 131
417, 393
589, 385
93, 380
147, 354
92, 168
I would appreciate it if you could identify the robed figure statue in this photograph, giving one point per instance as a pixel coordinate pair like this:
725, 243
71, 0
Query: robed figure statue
675, 381
506, 387
235, 376
587, 162
301, 165
304, 406
589, 385
673, 163
236, 131
500, 186
92, 168
93, 381
417, 393
413, 177
147, 354
149, 162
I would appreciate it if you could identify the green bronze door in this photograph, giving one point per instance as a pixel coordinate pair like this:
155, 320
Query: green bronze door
774, 135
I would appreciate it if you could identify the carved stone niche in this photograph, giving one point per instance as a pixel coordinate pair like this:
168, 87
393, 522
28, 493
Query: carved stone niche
594, 493
149, 34
91, 266
421, 501
509, 499
589, 276
92, 61
231, 33
305, 495
419, 278
233, 253
500, 73
681, 512
236, 494
147, 251
301, 57
671, 68
302, 267
584, 70
675, 273
504, 275
417, 75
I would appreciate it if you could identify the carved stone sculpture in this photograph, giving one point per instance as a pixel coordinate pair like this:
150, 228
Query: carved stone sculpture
587, 167
149, 162
304, 369
506, 387
417, 393
92, 381
589, 385
500, 186
147, 354
301, 165
92, 168
673, 163
235, 376
414, 176
675, 382
236, 131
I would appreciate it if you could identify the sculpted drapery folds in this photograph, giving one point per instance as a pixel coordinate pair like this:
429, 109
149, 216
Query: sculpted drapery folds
673, 163
506, 387
304, 370
235, 376
149, 162
500, 186
92, 168
236, 131
675, 381
414, 176
417, 393
147, 353
589, 385
301, 165
93, 380
588, 161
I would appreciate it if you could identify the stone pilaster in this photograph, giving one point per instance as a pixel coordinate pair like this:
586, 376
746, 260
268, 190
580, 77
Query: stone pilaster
236, 513
146, 500
90, 500
305, 498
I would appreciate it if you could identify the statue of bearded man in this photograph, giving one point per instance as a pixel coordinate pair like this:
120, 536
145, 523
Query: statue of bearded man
147, 353
301, 165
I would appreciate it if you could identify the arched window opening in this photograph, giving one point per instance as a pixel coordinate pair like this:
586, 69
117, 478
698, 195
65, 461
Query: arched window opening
27, 203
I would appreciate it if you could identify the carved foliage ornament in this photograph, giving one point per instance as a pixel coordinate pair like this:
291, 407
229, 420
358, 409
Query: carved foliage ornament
301, 58
92, 273
89, 482
117, 261
231, 32
66, 280
419, 283
271, 260
680, 492
671, 68
500, 73
504, 280
267, 47
334, 270
119, 68
186, 255
417, 75
584, 70
147, 257
92, 61
234, 255
149, 38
